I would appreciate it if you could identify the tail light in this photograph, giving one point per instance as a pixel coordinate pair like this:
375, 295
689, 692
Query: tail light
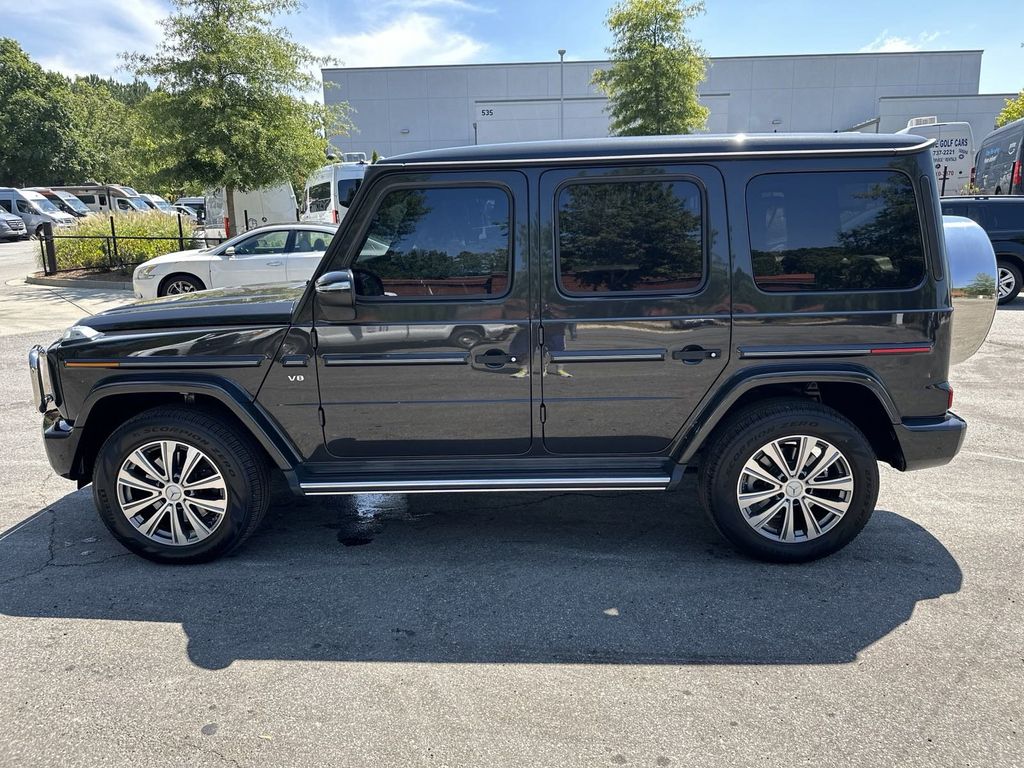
334, 215
1018, 167
227, 227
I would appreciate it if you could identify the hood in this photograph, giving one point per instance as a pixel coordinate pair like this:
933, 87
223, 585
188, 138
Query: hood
193, 254
252, 305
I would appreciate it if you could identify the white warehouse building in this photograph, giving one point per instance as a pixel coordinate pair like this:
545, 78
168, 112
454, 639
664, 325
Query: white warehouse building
404, 109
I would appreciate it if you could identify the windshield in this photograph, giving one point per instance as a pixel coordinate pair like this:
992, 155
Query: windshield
138, 203
73, 202
163, 205
44, 205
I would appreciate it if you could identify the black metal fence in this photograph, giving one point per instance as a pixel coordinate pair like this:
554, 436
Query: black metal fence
118, 256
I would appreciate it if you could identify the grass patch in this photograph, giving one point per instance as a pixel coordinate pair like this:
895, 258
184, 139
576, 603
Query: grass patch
97, 249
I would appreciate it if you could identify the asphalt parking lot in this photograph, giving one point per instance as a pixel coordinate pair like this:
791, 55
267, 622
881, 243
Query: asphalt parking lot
515, 630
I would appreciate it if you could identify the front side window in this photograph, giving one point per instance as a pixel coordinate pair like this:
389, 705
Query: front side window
444, 242
319, 197
630, 236
347, 190
6, 205
258, 245
124, 205
835, 231
24, 207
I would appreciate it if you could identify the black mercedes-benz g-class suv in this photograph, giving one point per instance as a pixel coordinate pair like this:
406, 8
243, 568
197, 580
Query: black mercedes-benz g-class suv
776, 311
1003, 219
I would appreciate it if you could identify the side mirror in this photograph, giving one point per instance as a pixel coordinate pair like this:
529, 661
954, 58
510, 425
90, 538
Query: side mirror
229, 251
337, 289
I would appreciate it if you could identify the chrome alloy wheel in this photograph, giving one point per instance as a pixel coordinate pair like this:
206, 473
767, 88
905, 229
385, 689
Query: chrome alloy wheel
795, 489
1005, 282
172, 493
180, 286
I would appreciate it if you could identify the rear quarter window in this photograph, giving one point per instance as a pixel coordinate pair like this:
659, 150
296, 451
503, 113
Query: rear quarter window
834, 231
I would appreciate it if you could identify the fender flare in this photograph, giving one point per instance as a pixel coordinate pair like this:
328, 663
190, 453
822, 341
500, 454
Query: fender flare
713, 409
252, 416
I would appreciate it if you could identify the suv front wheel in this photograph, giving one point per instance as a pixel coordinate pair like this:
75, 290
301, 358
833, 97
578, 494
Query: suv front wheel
789, 480
179, 485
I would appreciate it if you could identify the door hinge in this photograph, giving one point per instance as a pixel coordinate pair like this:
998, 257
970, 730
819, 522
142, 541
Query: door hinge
540, 335
323, 419
543, 413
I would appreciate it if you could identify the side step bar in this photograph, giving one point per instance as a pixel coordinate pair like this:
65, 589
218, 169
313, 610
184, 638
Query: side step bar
629, 483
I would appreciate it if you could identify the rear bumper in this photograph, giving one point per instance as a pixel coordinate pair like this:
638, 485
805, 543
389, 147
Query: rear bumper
928, 443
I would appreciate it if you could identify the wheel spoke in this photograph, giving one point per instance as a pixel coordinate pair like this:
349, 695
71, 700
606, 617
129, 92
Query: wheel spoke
810, 521
754, 469
149, 527
138, 458
177, 535
775, 455
844, 483
201, 529
746, 499
828, 458
138, 483
758, 521
803, 455
192, 457
210, 505
132, 508
837, 508
167, 457
787, 522
206, 484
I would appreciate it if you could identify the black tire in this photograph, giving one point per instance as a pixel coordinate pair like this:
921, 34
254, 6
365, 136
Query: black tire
741, 437
181, 277
234, 454
1013, 268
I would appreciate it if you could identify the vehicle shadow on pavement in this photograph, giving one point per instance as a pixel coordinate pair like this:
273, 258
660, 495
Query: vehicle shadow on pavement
625, 578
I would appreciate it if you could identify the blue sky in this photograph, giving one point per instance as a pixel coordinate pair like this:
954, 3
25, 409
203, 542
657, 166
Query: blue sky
86, 37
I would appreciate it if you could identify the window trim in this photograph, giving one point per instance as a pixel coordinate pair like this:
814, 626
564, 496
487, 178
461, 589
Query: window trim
633, 178
398, 186
925, 255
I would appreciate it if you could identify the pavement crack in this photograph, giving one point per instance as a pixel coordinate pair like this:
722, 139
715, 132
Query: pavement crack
50, 553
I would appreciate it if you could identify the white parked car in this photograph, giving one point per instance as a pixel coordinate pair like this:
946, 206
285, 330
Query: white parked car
273, 254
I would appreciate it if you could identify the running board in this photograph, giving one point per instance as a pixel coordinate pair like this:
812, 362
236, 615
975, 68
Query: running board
482, 485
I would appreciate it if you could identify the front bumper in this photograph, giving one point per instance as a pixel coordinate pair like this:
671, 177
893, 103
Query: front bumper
60, 440
928, 443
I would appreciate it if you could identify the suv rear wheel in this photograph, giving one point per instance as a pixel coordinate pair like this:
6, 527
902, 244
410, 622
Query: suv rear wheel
1008, 276
789, 480
180, 485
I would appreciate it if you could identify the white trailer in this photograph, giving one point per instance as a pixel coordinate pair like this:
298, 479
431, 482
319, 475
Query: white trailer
952, 152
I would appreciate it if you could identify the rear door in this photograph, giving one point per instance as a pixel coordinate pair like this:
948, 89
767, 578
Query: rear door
635, 303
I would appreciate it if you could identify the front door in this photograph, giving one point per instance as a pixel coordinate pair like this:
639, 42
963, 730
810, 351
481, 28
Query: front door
436, 361
635, 303
259, 258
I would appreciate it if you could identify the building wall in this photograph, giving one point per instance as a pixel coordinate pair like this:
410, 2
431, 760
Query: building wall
403, 109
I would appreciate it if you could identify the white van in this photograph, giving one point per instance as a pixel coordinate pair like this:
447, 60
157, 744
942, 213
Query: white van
257, 208
329, 191
107, 198
67, 202
952, 152
34, 209
157, 203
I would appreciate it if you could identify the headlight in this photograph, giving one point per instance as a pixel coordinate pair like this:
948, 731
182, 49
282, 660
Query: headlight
80, 333
145, 272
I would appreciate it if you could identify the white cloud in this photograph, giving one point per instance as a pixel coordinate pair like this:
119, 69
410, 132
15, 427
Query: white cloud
886, 43
413, 38
84, 38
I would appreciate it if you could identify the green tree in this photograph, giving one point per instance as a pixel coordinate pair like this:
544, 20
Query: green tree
228, 108
113, 145
1012, 110
38, 144
655, 69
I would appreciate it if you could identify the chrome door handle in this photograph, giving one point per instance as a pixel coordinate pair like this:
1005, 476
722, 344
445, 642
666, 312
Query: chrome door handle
274, 263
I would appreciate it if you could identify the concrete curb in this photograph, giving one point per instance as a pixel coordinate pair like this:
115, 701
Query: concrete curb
57, 282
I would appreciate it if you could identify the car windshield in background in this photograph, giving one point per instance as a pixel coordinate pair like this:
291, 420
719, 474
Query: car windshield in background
45, 205
163, 205
73, 203
138, 203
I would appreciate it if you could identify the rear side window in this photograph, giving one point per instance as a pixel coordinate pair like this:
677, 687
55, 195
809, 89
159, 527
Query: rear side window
444, 242
630, 237
836, 231
320, 197
87, 199
1003, 216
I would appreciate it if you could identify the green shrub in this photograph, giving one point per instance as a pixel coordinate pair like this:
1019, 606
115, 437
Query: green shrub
97, 251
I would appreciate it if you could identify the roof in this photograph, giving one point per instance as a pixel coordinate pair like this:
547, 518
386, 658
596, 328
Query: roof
626, 147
